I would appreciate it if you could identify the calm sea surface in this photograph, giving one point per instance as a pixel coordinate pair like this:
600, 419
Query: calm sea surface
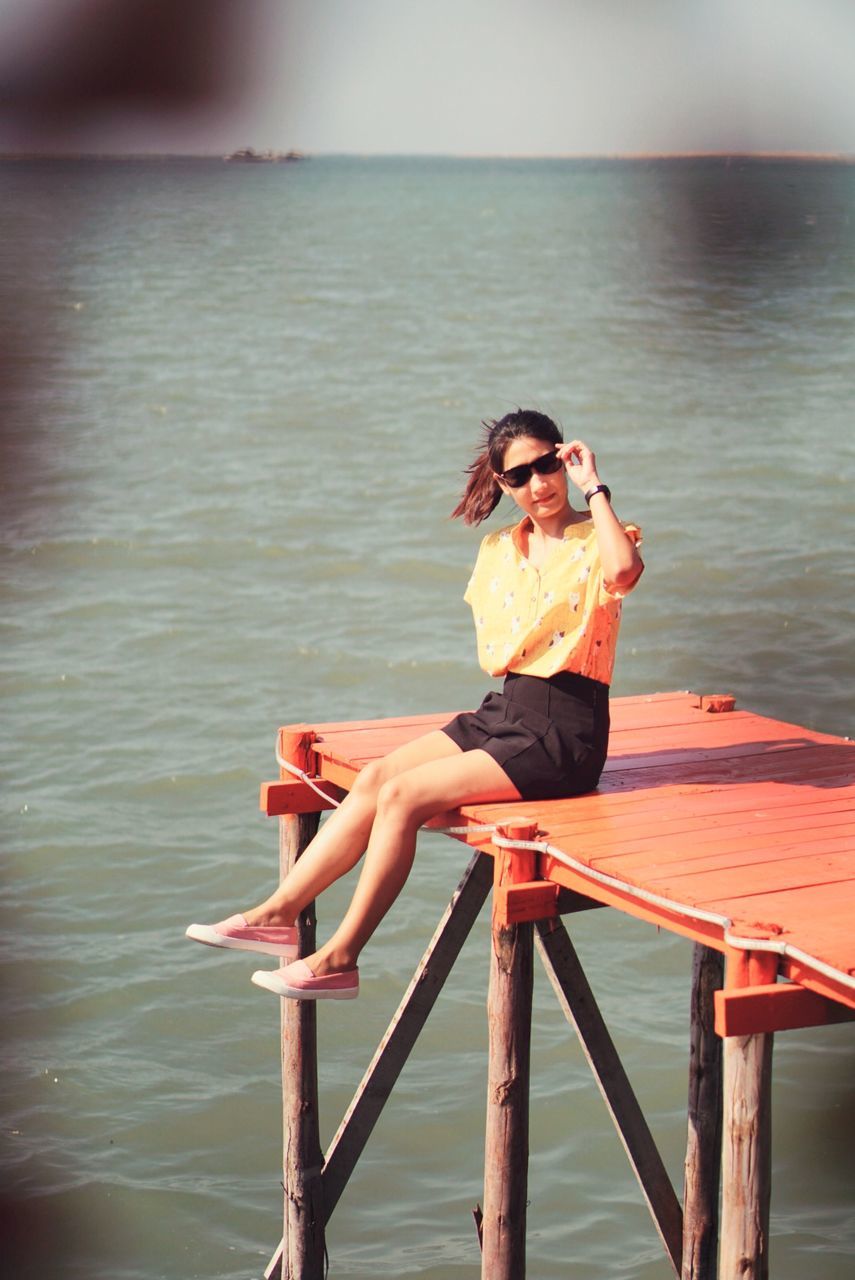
238, 401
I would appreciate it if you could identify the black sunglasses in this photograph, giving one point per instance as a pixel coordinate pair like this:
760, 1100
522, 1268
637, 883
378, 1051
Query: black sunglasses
546, 465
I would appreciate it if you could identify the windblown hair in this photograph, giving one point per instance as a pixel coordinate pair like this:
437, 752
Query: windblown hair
482, 492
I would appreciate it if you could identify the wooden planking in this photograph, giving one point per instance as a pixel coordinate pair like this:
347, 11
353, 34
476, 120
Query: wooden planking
749, 850
642, 812
703, 740
625, 709
620, 775
620, 821
816, 919
634, 831
354, 738
821, 908
625, 825
746, 816
684, 745
406, 723
805, 768
695, 840
634, 719
694, 825
757, 837
750, 847
732, 726
358, 742
762, 877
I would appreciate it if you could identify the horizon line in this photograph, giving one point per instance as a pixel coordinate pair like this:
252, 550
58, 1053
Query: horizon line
711, 154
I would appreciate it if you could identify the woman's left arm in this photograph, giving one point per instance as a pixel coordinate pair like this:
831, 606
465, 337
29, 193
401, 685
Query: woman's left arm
622, 565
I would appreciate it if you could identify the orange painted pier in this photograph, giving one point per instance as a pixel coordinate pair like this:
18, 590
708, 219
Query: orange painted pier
729, 828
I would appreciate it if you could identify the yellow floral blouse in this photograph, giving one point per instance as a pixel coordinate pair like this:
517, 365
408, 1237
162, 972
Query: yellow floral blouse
539, 622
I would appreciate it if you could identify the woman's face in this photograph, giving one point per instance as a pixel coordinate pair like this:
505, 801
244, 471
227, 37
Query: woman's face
540, 496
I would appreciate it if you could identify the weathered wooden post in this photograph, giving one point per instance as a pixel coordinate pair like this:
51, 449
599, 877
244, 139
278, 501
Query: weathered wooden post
509, 1020
703, 1147
302, 1254
747, 1134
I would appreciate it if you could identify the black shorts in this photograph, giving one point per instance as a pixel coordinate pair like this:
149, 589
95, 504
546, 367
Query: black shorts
550, 735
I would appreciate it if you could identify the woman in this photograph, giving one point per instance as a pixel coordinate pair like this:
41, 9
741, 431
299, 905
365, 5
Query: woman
546, 596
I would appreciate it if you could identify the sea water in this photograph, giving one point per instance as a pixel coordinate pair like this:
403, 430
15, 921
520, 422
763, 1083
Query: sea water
238, 401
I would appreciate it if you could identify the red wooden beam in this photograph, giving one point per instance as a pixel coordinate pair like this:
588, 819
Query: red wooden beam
530, 900
777, 1006
293, 796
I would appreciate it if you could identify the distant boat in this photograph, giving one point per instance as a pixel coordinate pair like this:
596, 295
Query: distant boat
246, 155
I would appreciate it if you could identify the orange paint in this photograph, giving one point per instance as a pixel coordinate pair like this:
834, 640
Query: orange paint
721, 810
780, 1006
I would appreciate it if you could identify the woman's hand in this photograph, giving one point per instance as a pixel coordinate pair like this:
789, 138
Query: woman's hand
622, 565
579, 463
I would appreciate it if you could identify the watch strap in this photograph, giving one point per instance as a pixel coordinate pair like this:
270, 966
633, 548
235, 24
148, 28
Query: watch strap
599, 488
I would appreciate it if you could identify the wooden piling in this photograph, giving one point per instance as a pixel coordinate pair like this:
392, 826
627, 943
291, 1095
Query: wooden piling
503, 1227
302, 1251
747, 1158
703, 1146
747, 1137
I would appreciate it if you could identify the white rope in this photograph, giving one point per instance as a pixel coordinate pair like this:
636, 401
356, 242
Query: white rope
304, 777
678, 908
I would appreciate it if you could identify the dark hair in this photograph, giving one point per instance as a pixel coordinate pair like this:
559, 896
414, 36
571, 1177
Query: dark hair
482, 492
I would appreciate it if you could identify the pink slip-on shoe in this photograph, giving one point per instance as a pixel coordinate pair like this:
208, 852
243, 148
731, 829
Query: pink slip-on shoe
297, 982
269, 940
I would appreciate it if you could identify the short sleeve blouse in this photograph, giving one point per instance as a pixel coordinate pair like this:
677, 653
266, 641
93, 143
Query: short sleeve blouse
538, 622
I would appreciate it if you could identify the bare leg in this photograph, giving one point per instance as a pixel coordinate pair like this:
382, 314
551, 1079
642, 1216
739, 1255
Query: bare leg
403, 804
343, 838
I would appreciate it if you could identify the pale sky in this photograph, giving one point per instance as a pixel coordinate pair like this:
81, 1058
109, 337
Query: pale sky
501, 77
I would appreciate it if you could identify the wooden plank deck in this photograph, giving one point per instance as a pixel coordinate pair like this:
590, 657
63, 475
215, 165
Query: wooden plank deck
730, 828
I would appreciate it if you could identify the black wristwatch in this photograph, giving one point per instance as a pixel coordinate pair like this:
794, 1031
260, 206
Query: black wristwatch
598, 488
